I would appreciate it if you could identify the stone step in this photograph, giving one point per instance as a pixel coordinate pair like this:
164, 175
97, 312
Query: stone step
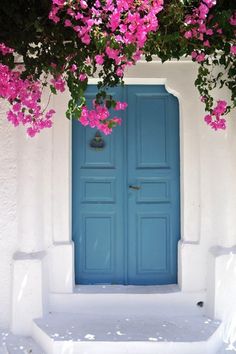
105, 298
85, 333
116, 319
227, 349
12, 344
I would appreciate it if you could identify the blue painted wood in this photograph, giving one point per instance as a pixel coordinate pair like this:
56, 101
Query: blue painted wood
153, 210
125, 235
98, 226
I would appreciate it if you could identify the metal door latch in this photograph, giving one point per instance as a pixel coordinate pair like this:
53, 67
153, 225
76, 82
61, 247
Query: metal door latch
136, 188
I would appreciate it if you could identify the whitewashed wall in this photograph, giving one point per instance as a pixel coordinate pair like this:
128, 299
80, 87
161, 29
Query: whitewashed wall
35, 212
8, 210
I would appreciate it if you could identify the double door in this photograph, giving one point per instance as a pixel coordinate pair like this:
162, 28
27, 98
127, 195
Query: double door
125, 192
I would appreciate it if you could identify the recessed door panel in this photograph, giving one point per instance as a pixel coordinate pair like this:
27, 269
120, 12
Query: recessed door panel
152, 240
151, 134
98, 243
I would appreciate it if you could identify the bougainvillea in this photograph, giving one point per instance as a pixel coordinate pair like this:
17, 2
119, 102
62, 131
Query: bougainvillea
203, 26
24, 96
204, 30
116, 31
64, 42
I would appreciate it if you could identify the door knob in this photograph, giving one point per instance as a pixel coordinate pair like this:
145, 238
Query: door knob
136, 188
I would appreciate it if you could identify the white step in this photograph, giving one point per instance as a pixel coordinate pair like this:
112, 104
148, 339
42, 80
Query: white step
12, 344
109, 334
105, 298
127, 320
227, 349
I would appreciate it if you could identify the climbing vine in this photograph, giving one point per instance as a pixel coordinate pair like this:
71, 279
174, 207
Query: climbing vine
59, 43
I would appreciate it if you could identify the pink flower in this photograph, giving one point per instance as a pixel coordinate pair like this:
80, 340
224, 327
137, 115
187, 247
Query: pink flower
117, 120
12, 117
220, 108
53, 65
99, 59
210, 3
86, 39
99, 117
78, 16
137, 55
200, 57
58, 2
206, 43
120, 72
83, 4
5, 50
209, 32
84, 116
53, 15
24, 97
232, 19
105, 129
114, 20
31, 132
58, 83
208, 119
68, 23
233, 49
218, 124
50, 113
194, 55
215, 120
188, 34
82, 77
112, 53
73, 68
120, 106
16, 107
203, 11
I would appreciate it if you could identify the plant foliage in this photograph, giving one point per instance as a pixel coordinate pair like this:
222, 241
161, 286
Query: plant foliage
66, 42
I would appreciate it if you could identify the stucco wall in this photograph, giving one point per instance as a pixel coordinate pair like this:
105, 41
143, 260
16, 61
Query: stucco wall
8, 210
35, 210
25, 202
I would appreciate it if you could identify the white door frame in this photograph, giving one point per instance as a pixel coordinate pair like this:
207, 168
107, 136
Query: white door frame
178, 78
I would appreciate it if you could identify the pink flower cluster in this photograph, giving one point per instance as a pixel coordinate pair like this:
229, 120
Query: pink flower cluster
197, 21
198, 56
232, 19
121, 21
58, 83
117, 31
118, 24
233, 49
24, 97
5, 50
215, 119
199, 28
98, 117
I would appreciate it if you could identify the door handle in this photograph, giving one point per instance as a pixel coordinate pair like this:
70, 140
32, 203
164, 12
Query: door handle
136, 188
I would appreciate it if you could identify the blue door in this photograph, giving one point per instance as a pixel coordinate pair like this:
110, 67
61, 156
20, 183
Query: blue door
126, 218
